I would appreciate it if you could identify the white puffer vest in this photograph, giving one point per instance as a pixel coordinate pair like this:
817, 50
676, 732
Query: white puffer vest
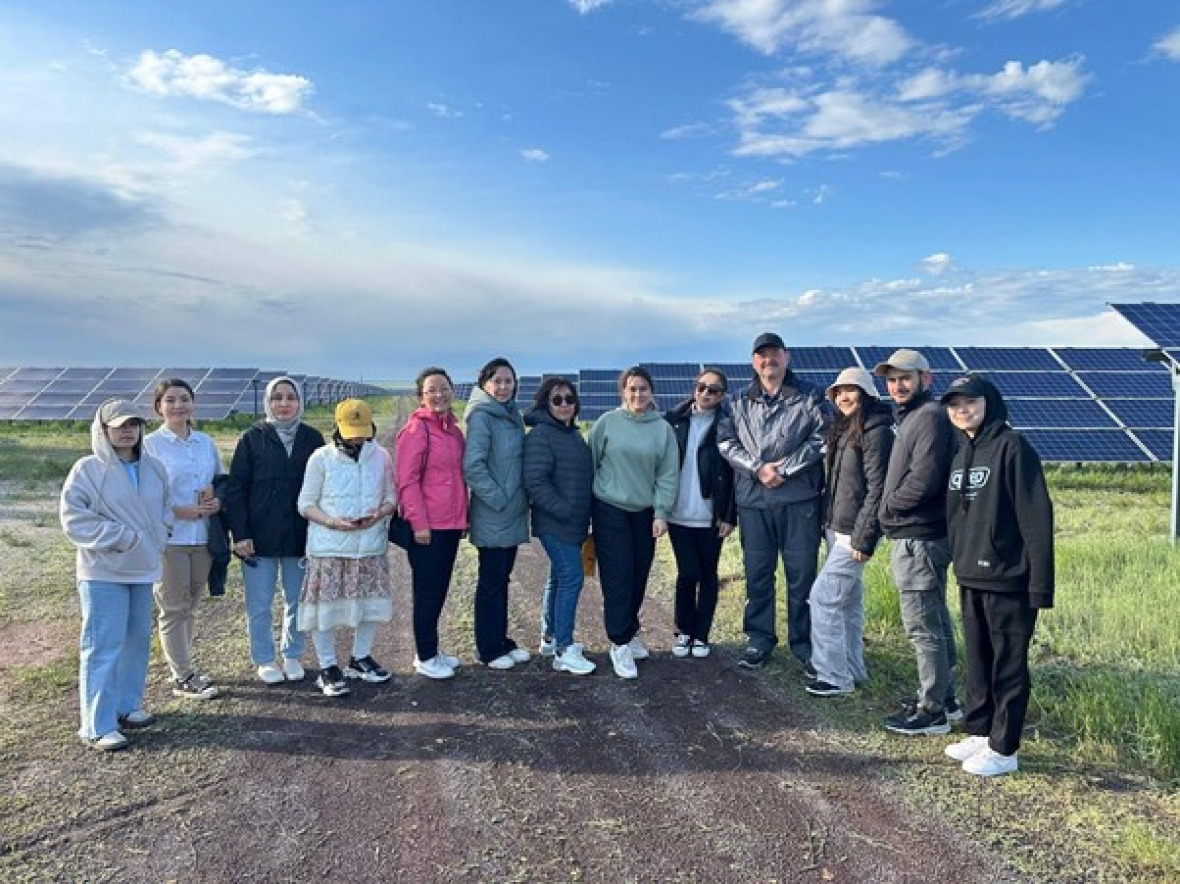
344, 488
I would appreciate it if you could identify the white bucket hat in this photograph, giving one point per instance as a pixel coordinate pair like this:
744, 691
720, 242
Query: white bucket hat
854, 377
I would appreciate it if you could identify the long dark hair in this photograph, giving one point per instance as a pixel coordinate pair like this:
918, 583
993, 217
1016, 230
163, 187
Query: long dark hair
851, 426
541, 399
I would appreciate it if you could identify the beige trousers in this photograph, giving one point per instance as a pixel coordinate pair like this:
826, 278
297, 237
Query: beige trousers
186, 573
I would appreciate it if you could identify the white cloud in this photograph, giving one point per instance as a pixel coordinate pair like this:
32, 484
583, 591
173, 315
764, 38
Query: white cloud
193, 154
1010, 9
1169, 45
442, 110
935, 105
937, 264
848, 29
584, 7
204, 77
534, 155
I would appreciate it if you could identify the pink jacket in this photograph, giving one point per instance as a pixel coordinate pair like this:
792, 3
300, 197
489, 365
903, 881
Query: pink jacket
429, 469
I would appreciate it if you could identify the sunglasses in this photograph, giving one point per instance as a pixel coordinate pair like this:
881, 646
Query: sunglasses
560, 400
710, 389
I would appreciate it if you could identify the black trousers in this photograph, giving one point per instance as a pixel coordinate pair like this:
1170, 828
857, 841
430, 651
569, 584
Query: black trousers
432, 566
625, 547
697, 551
997, 630
491, 602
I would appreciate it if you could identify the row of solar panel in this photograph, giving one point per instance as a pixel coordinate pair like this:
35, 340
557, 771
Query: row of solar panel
75, 393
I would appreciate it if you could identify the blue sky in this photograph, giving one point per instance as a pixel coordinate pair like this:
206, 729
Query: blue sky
363, 188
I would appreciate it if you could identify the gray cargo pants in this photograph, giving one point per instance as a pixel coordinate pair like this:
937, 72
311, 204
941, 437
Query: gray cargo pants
919, 570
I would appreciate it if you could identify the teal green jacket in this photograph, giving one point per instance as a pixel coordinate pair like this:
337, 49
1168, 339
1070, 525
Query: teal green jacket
493, 464
636, 461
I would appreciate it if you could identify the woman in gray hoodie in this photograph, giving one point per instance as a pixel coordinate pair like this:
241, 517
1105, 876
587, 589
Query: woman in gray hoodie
116, 510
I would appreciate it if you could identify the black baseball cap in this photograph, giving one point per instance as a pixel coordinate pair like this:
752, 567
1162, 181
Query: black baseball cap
768, 339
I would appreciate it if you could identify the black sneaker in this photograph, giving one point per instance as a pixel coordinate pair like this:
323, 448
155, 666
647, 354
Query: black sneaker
954, 712
809, 671
366, 668
331, 682
753, 658
194, 687
918, 722
823, 689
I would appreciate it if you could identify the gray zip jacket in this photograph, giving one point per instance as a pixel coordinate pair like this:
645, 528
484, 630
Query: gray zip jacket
754, 431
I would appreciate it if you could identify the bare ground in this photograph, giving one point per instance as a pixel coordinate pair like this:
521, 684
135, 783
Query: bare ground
696, 771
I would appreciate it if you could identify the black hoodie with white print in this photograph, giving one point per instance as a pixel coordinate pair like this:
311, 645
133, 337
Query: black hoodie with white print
999, 515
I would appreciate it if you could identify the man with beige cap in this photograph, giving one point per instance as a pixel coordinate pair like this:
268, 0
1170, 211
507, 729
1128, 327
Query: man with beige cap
913, 514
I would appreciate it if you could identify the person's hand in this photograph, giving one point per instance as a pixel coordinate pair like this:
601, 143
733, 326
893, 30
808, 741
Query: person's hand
422, 538
189, 513
768, 474
724, 529
659, 528
211, 506
858, 556
244, 548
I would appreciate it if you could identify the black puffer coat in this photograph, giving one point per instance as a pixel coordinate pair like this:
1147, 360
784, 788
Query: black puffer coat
558, 477
856, 479
714, 471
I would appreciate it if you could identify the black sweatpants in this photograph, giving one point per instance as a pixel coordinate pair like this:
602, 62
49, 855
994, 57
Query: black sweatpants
997, 630
431, 567
625, 548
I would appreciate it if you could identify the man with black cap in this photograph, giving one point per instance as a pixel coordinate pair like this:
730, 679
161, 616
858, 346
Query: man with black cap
913, 514
1000, 520
773, 434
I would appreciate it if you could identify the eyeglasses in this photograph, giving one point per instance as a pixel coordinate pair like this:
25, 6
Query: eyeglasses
560, 400
710, 389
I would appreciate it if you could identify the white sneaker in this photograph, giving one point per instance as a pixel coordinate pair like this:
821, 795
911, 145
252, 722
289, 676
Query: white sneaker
520, 655
453, 662
435, 667
682, 647
622, 660
989, 763
111, 742
572, 660
965, 748
700, 650
504, 661
293, 669
548, 646
138, 718
638, 649
271, 674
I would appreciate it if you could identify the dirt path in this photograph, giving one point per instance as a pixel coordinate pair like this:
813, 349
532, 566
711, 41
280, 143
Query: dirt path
694, 772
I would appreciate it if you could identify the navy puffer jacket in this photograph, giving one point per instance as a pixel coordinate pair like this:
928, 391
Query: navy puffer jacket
558, 476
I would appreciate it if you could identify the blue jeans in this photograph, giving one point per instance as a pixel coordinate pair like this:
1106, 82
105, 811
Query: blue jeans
113, 652
563, 589
260, 598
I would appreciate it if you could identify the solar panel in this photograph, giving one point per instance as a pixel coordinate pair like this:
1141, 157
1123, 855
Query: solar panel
1102, 359
1160, 322
984, 359
940, 358
1051, 413
27, 386
1036, 384
674, 387
35, 374
1131, 385
144, 374
1159, 442
820, 379
736, 372
1144, 413
1086, 446
817, 358
91, 374
598, 374
45, 412
590, 387
672, 369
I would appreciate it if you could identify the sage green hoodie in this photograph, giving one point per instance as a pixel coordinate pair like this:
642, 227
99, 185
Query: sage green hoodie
636, 461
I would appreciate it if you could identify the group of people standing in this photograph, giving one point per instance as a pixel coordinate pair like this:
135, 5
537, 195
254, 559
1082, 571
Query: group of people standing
788, 463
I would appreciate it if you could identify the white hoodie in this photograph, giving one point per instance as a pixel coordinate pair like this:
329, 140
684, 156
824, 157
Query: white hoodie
120, 530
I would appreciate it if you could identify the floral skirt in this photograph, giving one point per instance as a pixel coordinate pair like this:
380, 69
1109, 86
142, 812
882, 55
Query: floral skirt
345, 592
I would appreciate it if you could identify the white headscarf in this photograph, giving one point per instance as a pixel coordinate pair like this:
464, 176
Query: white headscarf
285, 428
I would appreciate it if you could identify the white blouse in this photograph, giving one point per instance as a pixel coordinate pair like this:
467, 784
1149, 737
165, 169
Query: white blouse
191, 464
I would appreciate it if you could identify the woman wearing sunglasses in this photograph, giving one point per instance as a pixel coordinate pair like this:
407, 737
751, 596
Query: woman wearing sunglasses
636, 471
559, 478
705, 512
